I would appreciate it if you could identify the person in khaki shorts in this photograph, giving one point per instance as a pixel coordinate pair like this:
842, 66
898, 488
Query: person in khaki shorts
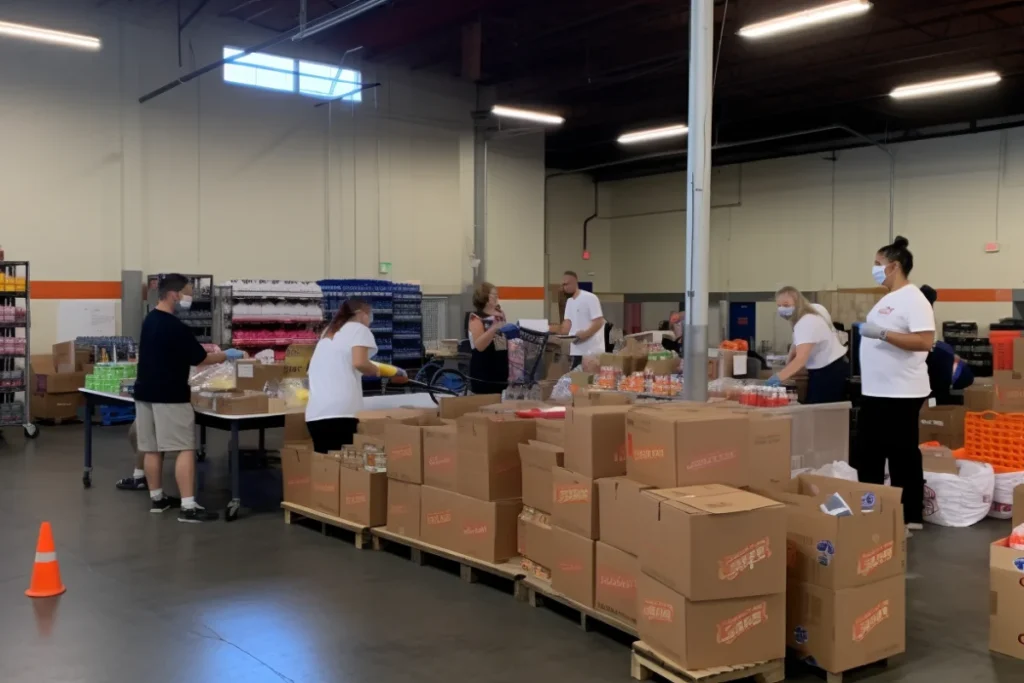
164, 418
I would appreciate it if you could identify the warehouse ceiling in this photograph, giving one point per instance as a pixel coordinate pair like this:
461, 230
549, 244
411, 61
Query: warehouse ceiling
610, 66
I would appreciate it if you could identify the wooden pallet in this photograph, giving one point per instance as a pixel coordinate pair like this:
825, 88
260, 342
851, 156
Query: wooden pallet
361, 532
647, 662
800, 660
470, 568
536, 591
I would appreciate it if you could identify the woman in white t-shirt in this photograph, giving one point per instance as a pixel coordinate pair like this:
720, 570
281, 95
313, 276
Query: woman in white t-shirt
815, 347
341, 358
895, 341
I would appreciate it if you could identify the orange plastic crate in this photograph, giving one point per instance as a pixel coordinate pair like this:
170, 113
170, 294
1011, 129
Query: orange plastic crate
995, 438
1002, 348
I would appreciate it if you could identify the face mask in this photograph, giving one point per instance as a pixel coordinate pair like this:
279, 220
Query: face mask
878, 273
786, 312
184, 303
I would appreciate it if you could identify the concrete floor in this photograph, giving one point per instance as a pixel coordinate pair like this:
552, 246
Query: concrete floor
259, 602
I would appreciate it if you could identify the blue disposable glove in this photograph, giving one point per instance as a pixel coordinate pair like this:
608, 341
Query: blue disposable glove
511, 331
773, 381
870, 330
234, 354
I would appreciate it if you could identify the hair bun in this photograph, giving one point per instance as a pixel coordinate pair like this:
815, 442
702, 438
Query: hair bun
901, 242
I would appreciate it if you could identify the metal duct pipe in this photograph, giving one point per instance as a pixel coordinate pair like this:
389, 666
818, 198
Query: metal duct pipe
328, 20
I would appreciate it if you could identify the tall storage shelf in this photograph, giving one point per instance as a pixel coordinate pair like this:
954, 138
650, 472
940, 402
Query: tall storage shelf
408, 323
380, 294
15, 345
268, 314
200, 316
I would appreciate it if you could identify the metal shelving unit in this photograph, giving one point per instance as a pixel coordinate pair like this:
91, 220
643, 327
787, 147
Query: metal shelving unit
233, 312
380, 294
15, 346
200, 316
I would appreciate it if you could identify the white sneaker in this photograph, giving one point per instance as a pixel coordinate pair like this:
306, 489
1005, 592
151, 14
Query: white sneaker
915, 526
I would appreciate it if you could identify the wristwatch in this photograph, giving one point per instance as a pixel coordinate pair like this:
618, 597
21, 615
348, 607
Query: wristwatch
883, 336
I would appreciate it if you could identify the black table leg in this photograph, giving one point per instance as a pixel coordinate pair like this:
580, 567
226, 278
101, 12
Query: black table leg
201, 453
263, 441
231, 513
90, 406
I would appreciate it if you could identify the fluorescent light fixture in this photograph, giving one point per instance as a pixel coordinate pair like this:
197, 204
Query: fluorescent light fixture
527, 115
46, 35
946, 85
649, 134
810, 17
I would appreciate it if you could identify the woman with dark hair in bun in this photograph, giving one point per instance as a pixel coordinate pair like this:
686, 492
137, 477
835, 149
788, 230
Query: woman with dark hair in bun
895, 341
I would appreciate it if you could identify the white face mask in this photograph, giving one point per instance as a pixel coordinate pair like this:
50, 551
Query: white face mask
185, 303
786, 312
878, 273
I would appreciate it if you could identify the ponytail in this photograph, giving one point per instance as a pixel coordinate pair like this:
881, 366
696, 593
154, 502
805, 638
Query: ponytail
345, 313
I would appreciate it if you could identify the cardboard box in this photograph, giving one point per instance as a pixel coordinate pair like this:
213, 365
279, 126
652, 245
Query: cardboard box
1004, 395
572, 573
296, 360
1006, 600
615, 577
843, 552
595, 441
295, 429
454, 407
979, 397
580, 381
575, 506
557, 354
536, 540
771, 447
713, 542
440, 524
593, 397
510, 407
1018, 506
231, 402
324, 482
67, 358
403, 442
619, 506
699, 635
847, 628
372, 422
820, 433
551, 431
489, 530
363, 496
404, 515
675, 446
296, 473
45, 379
537, 461
252, 375
944, 424
361, 441
440, 451
55, 406
938, 459
488, 465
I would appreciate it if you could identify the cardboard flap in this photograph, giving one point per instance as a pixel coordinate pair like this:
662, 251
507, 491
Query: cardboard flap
540, 454
714, 499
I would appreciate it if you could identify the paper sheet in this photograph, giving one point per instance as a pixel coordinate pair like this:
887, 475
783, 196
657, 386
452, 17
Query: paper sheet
85, 318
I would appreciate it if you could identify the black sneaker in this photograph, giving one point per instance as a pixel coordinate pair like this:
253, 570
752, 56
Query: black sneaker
197, 515
164, 504
132, 484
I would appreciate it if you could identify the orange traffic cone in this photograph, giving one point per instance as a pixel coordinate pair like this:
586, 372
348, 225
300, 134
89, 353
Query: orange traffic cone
46, 581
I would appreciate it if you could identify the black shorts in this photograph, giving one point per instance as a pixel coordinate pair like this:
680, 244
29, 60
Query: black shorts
333, 433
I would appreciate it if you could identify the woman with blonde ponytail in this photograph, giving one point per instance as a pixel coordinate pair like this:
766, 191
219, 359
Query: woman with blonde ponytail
816, 348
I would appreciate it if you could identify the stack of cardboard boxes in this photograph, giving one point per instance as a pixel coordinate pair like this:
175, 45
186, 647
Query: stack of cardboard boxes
1006, 596
55, 380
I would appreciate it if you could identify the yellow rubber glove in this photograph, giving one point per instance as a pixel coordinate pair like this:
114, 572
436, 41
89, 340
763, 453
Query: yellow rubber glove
388, 370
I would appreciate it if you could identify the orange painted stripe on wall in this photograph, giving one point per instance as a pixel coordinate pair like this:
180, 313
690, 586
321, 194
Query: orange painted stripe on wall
74, 289
975, 295
521, 293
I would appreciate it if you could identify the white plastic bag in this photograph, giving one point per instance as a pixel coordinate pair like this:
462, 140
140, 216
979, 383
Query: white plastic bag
837, 470
959, 500
1002, 497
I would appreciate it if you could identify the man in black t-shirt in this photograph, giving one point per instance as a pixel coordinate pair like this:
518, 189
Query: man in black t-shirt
164, 418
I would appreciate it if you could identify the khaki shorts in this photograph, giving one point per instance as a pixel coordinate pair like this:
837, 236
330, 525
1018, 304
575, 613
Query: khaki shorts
165, 427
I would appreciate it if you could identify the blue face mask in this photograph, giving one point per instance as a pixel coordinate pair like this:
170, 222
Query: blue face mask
786, 312
878, 273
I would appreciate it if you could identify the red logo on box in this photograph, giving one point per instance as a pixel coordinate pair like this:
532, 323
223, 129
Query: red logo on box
572, 493
401, 452
615, 581
299, 481
355, 498
620, 453
731, 629
712, 459
478, 529
731, 566
870, 620
442, 517
655, 610
325, 488
873, 559
398, 509
440, 461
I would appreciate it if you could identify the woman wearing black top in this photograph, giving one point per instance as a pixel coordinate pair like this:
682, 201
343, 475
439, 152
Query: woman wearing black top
488, 362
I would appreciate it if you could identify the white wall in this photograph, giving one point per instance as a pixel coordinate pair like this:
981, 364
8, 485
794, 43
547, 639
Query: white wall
240, 182
816, 224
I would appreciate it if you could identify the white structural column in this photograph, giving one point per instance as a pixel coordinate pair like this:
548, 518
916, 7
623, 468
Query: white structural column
698, 200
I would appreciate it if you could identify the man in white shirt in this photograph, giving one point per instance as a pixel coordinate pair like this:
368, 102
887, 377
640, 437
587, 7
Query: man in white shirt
584, 320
